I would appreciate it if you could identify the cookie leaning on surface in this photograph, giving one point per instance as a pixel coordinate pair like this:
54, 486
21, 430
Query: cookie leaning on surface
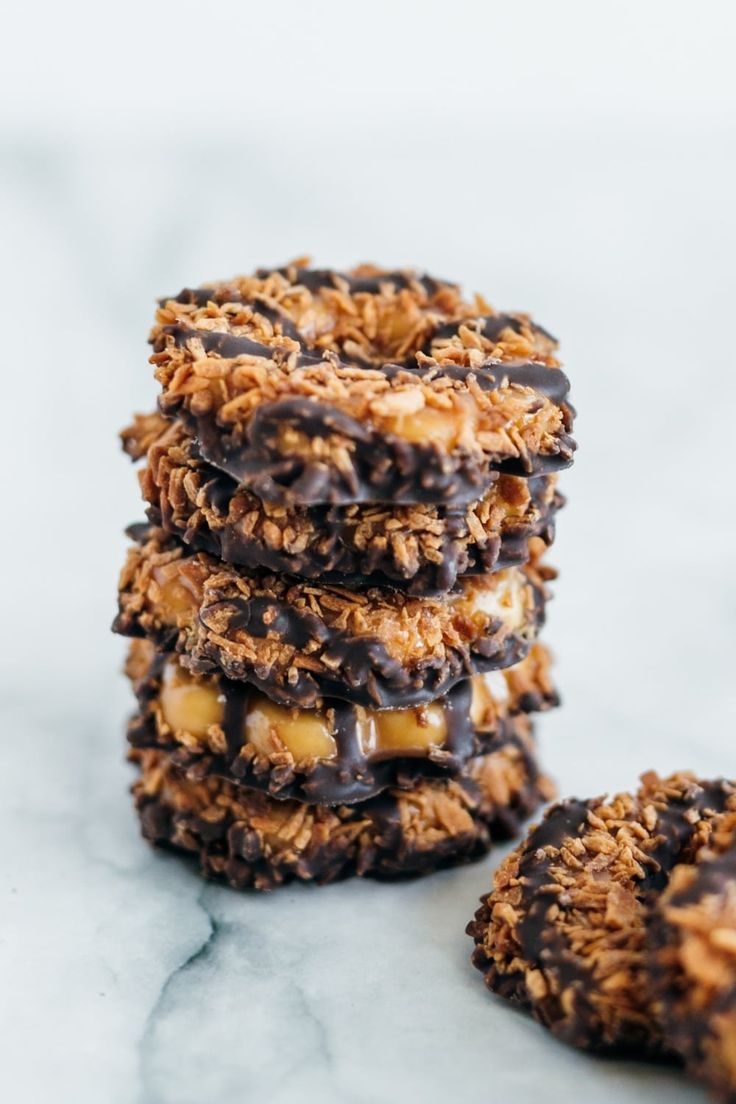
299, 641
249, 839
370, 386
421, 548
563, 931
692, 940
332, 755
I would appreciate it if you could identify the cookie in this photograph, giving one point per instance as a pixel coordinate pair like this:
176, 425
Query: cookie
333, 755
563, 932
300, 642
248, 839
313, 387
421, 548
692, 939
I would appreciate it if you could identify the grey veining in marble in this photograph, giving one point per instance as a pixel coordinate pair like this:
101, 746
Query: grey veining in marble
125, 979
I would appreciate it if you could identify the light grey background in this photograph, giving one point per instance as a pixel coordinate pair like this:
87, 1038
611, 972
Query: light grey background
573, 159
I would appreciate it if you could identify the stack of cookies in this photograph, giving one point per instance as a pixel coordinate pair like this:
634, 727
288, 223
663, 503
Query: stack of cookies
335, 602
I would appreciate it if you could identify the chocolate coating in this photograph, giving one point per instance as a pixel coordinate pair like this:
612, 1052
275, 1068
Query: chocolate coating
301, 642
249, 840
374, 466
353, 773
300, 387
563, 932
423, 549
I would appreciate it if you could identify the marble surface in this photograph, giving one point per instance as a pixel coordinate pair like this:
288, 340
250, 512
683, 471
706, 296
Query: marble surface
126, 979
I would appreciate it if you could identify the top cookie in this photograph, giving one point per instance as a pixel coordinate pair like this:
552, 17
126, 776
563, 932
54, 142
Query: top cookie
311, 386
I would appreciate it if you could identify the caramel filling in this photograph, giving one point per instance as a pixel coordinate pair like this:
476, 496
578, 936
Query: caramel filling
405, 414
188, 704
303, 732
177, 592
193, 705
417, 729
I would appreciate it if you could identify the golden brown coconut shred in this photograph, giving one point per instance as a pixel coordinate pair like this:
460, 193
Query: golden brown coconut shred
564, 930
194, 603
357, 334
252, 840
214, 514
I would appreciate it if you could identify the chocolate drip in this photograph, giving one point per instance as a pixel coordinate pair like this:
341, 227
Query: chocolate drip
332, 553
236, 698
229, 346
261, 616
374, 840
385, 467
353, 774
315, 279
355, 667
201, 296
365, 673
675, 827
490, 326
565, 820
492, 375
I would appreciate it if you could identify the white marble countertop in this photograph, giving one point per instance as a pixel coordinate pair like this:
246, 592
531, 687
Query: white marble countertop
125, 978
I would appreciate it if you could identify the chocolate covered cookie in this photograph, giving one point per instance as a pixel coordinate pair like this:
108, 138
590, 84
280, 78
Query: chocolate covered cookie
332, 755
300, 642
692, 940
314, 387
422, 548
563, 933
248, 839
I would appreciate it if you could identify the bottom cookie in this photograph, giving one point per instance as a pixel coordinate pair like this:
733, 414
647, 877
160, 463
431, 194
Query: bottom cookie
249, 839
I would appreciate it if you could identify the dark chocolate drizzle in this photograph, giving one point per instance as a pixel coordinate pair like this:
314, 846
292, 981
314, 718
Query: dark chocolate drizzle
233, 851
261, 616
385, 466
542, 944
675, 828
314, 279
229, 345
364, 671
352, 775
332, 554
200, 297
548, 381
490, 326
